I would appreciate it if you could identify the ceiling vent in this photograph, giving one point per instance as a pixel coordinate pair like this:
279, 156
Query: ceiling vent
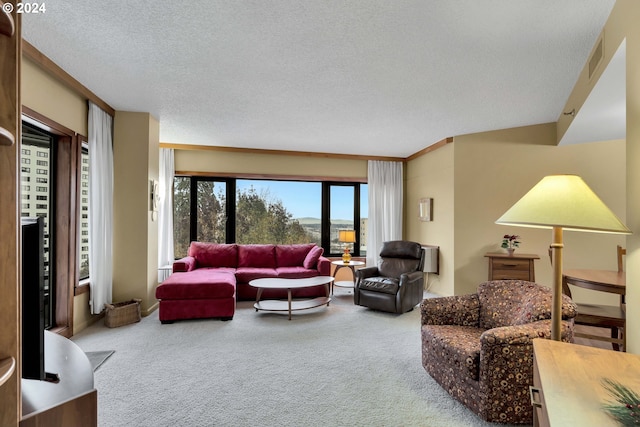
596, 58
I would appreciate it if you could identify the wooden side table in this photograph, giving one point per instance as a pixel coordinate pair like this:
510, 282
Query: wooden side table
341, 264
503, 266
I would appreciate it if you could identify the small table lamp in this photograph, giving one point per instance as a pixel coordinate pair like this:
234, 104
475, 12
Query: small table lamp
562, 202
346, 237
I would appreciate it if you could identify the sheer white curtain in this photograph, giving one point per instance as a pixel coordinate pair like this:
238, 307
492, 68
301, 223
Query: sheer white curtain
100, 207
165, 211
385, 206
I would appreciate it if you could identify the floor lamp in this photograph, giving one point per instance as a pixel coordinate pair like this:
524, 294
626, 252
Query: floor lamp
562, 202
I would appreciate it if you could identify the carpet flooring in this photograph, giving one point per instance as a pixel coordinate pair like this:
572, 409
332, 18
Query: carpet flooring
97, 358
341, 365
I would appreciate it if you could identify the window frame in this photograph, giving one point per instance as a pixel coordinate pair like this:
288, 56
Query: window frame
326, 216
66, 183
230, 181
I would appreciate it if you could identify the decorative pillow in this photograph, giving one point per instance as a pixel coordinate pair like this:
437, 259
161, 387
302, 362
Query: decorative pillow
214, 254
292, 255
312, 257
258, 256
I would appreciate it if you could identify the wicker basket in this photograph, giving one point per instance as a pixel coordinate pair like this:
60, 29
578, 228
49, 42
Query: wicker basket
122, 313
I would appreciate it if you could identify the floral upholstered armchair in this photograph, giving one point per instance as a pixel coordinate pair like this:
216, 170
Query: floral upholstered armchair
479, 347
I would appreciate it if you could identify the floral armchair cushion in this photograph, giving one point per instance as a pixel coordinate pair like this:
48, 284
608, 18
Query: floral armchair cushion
516, 302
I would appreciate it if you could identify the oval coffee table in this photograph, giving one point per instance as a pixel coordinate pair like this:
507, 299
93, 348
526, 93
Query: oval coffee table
289, 284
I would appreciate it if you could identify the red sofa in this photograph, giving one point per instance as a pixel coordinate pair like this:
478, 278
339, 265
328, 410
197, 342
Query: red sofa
208, 281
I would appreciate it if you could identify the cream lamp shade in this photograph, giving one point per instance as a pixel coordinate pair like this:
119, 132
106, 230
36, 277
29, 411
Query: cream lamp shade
347, 236
562, 202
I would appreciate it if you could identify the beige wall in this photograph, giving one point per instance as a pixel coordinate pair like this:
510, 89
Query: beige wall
153, 173
214, 161
622, 24
52, 99
135, 245
492, 171
81, 313
432, 175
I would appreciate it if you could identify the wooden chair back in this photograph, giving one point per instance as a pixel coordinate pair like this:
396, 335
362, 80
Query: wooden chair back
621, 253
604, 316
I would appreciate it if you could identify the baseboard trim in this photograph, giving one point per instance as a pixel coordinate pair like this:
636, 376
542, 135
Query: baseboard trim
151, 309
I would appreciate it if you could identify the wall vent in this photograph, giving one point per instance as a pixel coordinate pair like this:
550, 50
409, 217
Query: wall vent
596, 58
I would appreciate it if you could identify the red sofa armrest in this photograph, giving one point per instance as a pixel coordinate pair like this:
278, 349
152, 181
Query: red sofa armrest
184, 264
324, 266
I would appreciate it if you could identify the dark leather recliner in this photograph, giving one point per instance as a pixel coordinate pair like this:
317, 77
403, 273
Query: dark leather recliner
396, 284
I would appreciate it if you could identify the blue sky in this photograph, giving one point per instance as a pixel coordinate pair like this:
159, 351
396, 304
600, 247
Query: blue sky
303, 199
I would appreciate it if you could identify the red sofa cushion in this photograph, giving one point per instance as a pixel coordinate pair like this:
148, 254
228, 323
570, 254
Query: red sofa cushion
245, 274
292, 255
201, 283
298, 272
257, 256
214, 254
311, 260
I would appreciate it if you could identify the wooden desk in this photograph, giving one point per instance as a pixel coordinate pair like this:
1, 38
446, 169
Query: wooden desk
568, 378
598, 280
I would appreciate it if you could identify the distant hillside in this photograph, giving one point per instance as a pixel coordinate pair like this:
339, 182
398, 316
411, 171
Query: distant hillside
311, 221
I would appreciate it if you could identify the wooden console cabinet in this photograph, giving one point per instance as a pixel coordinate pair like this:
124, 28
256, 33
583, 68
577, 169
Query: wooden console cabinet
567, 382
70, 402
517, 266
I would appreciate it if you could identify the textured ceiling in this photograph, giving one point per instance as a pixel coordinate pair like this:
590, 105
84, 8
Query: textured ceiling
371, 77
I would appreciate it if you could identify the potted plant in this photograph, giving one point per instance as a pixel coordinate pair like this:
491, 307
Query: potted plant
510, 242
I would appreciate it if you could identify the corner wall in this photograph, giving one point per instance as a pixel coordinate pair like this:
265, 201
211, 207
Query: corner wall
622, 25
135, 241
432, 175
489, 172
495, 169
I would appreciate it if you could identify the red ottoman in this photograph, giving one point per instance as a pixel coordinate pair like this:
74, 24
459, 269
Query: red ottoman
198, 294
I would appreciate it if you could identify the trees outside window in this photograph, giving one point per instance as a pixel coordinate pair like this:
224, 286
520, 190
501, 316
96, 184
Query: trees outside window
262, 216
181, 215
211, 211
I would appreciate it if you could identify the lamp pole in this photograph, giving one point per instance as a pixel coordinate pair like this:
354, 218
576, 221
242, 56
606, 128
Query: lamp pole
556, 304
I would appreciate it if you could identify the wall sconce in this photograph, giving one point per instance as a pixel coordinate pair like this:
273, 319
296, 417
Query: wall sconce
426, 209
154, 198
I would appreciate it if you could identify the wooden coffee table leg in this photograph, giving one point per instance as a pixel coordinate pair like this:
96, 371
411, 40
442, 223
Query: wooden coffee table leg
289, 298
327, 290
